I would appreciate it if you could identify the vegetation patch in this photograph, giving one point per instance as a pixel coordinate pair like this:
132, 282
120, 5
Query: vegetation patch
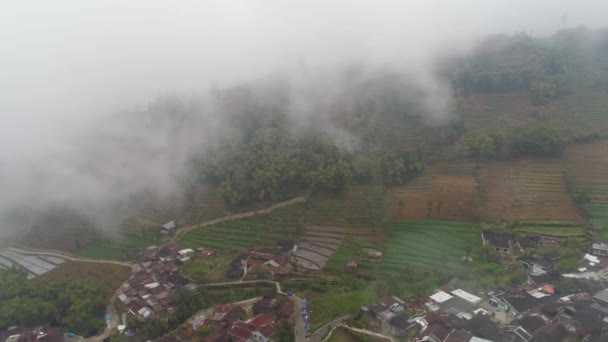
436, 245
556, 231
586, 167
331, 305
109, 276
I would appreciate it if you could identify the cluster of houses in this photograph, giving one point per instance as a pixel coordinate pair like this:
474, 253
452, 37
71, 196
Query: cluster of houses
526, 313
549, 306
147, 293
507, 242
227, 322
39, 334
272, 261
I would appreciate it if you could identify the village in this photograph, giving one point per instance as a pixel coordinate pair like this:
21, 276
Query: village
549, 306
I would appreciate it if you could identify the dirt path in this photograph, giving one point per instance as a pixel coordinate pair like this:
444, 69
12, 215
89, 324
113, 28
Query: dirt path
183, 230
67, 256
361, 331
240, 282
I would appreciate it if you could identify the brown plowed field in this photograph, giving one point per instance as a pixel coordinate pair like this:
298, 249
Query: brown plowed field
110, 276
587, 164
444, 191
530, 190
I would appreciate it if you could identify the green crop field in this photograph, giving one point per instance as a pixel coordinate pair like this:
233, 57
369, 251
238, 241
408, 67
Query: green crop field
357, 207
557, 231
236, 235
331, 305
114, 248
433, 244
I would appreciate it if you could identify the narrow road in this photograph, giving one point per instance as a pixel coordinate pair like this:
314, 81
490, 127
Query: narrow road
368, 332
239, 282
67, 256
111, 327
183, 230
299, 326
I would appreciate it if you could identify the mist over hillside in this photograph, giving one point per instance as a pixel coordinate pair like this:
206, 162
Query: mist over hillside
105, 104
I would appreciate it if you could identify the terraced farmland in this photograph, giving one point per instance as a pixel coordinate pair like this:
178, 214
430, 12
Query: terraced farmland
444, 191
587, 171
238, 235
433, 244
360, 210
208, 203
526, 190
490, 112
582, 113
317, 245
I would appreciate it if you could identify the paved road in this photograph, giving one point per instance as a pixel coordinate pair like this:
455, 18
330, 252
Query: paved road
183, 230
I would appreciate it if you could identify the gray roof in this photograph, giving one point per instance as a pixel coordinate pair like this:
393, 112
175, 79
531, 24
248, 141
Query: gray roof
169, 225
602, 296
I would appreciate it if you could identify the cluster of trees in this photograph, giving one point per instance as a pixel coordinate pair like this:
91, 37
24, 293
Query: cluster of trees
540, 142
273, 165
74, 304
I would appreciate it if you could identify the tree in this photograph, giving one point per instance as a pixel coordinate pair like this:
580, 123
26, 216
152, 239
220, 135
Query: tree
481, 145
284, 332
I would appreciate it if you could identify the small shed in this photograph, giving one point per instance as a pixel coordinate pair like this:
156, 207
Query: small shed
168, 227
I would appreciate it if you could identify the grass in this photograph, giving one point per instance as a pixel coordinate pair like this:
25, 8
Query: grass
114, 248
436, 245
346, 335
350, 249
557, 231
331, 305
598, 215
235, 293
108, 275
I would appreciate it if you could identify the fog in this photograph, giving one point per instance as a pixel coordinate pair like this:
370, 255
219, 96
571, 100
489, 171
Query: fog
73, 73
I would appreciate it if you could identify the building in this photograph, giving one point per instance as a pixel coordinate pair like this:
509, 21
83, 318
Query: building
599, 249
501, 242
168, 228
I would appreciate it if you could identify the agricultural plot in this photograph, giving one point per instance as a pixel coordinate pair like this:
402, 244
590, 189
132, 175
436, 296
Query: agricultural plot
350, 249
582, 113
552, 230
444, 191
359, 210
331, 305
587, 173
32, 264
500, 111
207, 204
237, 235
110, 276
432, 244
134, 233
317, 245
527, 190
